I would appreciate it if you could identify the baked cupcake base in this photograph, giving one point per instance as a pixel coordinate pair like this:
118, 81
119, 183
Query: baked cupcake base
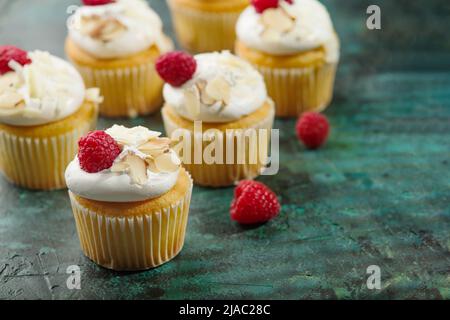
297, 83
223, 175
36, 157
130, 86
134, 236
205, 26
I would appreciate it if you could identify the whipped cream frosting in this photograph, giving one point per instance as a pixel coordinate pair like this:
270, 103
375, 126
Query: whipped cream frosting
289, 29
46, 90
118, 29
224, 88
113, 185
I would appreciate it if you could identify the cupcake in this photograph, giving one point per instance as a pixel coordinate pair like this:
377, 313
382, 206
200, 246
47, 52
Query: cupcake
206, 25
44, 110
114, 45
294, 45
222, 96
130, 198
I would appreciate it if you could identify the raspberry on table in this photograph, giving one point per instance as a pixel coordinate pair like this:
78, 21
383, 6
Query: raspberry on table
254, 203
176, 68
313, 129
8, 53
97, 151
97, 2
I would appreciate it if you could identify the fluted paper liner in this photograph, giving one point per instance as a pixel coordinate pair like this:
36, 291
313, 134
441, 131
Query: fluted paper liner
223, 175
297, 90
127, 92
39, 163
199, 31
130, 243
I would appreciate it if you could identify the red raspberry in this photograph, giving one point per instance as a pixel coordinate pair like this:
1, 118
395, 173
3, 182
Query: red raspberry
8, 53
97, 2
97, 151
262, 5
313, 129
176, 68
254, 203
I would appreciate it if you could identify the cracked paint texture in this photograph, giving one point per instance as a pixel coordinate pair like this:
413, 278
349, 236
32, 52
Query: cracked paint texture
378, 193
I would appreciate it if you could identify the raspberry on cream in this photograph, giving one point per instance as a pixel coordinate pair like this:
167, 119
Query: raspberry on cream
117, 29
280, 27
40, 89
145, 168
224, 88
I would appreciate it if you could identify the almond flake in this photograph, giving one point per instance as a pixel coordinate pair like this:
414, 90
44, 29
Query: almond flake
137, 169
132, 137
119, 167
219, 89
192, 101
270, 35
167, 162
112, 29
277, 20
204, 97
9, 81
11, 100
155, 147
151, 165
102, 29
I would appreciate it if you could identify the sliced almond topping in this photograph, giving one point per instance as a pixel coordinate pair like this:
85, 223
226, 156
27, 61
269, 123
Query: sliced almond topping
192, 100
137, 169
134, 136
167, 162
102, 29
219, 89
120, 167
270, 35
11, 100
278, 20
204, 97
155, 147
112, 29
151, 165
8, 81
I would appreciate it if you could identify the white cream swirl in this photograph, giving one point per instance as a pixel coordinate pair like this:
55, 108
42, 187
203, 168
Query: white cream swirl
48, 89
312, 28
110, 186
247, 90
134, 27
113, 187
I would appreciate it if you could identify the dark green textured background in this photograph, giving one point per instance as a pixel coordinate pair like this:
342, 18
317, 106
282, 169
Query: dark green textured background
378, 193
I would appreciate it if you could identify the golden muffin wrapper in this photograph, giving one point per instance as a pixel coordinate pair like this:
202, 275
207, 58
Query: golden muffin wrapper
39, 163
203, 31
223, 175
133, 242
127, 92
298, 90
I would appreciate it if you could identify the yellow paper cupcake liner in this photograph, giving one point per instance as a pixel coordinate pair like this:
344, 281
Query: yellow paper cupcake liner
131, 243
128, 92
201, 31
39, 163
297, 90
223, 175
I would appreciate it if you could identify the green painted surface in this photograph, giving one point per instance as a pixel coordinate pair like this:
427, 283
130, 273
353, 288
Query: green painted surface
379, 193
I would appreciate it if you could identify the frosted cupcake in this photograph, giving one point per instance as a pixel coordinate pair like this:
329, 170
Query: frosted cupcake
44, 110
206, 25
227, 98
294, 45
130, 198
115, 45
